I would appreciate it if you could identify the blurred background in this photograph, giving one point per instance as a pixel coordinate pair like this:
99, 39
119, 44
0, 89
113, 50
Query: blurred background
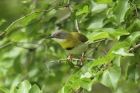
25, 55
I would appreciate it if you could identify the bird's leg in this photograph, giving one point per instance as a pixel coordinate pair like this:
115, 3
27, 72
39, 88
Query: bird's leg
82, 58
69, 58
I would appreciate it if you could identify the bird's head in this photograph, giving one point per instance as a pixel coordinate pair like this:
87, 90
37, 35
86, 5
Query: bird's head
59, 35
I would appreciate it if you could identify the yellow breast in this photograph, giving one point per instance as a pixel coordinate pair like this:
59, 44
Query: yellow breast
69, 43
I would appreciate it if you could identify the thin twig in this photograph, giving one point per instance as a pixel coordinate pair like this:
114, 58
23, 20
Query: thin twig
97, 41
77, 25
96, 47
76, 21
79, 90
133, 49
16, 21
137, 13
6, 45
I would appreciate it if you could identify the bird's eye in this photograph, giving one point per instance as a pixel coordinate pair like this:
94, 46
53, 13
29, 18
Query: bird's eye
58, 35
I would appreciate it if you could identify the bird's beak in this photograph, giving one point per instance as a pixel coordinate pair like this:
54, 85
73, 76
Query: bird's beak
49, 37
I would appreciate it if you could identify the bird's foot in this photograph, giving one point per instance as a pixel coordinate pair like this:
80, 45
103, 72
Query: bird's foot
69, 58
82, 59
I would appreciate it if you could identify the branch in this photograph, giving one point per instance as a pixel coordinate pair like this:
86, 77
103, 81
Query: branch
23, 18
73, 59
133, 49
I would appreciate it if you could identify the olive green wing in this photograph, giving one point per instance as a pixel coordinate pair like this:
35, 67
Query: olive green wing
80, 36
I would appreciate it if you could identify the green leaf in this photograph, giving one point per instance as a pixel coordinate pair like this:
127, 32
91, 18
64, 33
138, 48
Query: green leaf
23, 87
98, 35
80, 6
84, 10
65, 89
119, 32
34, 89
86, 75
95, 22
13, 80
17, 65
100, 61
5, 90
32, 29
119, 45
86, 83
121, 52
76, 83
96, 8
110, 77
104, 1
18, 36
42, 89
52, 12
132, 25
2, 21
132, 72
25, 1
116, 61
120, 10
133, 37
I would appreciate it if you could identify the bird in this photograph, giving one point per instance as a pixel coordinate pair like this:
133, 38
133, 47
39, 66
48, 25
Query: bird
73, 42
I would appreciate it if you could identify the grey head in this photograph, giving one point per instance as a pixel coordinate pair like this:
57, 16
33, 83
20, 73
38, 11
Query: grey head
60, 34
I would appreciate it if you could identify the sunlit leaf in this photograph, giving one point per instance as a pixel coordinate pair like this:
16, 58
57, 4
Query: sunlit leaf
34, 89
95, 23
86, 83
102, 60
120, 10
65, 89
134, 36
121, 52
2, 21
104, 1
119, 45
119, 33
116, 61
19, 36
25, 1
96, 8
110, 77
23, 87
84, 10
86, 75
98, 35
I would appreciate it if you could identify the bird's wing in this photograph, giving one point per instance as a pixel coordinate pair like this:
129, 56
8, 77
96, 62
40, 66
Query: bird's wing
79, 36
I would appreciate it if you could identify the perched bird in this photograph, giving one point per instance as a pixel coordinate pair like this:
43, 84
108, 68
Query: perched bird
73, 42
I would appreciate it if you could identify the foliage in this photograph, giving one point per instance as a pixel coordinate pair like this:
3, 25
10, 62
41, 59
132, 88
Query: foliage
29, 63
